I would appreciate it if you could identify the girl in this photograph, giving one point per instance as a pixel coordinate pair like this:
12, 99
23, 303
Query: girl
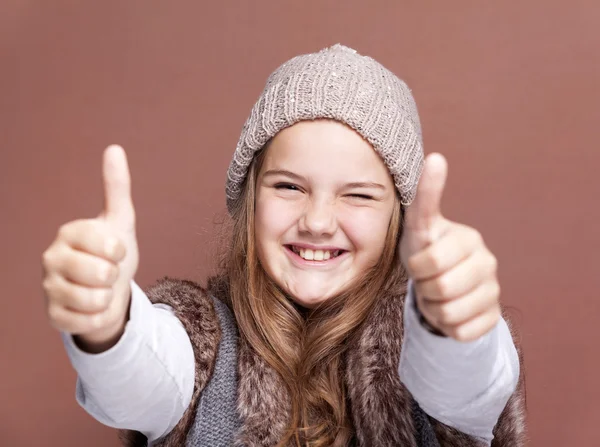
341, 316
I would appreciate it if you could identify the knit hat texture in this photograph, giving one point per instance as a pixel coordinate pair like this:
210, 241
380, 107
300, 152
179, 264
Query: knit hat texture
340, 84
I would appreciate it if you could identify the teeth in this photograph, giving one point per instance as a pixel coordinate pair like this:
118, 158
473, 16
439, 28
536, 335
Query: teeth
315, 255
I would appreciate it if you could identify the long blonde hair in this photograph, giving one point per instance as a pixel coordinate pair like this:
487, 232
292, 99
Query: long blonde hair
306, 348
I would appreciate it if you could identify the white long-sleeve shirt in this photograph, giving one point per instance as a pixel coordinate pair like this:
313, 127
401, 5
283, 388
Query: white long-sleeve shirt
145, 382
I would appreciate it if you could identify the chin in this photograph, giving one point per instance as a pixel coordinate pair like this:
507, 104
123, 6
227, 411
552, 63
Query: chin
310, 299
308, 303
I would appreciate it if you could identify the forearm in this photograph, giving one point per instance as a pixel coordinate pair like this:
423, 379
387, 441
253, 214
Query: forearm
145, 381
464, 385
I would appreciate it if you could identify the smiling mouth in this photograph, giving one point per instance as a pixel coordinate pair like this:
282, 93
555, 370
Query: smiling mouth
315, 255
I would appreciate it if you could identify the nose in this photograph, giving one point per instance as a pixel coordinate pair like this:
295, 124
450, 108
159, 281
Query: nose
318, 218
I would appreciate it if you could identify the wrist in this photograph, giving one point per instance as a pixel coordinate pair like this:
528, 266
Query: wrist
422, 320
96, 342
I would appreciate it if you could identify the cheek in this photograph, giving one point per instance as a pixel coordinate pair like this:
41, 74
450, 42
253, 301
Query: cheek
367, 230
272, 219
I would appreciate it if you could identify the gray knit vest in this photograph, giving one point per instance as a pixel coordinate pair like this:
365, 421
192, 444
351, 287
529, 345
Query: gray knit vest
217, 420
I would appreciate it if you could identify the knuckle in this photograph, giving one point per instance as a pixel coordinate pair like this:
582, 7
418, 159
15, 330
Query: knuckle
101, 297
447, 314
436, 261
63, 230
46, 258
110, 274
49, 258
444, 286
53, 313
104, 271
48, 286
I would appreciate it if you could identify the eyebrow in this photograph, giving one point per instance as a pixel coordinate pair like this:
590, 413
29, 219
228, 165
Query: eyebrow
364, 185
290, 174
295, 176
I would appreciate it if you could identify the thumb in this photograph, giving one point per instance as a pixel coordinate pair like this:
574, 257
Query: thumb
118, 205
426, 208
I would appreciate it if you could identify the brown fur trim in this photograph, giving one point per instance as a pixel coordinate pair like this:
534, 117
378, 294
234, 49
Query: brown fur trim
450, 437
132, 438
195, 309
511, 427
380, 403
263, 401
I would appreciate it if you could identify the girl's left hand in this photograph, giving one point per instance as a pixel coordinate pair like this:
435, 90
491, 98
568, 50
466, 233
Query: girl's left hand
454, 273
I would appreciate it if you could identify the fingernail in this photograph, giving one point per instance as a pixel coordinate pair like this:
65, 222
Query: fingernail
104, 274
102, 298
111, 246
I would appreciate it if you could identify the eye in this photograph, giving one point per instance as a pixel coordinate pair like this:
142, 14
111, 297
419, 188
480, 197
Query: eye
361, 196
287, 186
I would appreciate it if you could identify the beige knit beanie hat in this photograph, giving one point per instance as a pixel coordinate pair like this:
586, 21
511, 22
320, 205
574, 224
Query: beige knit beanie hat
340, 84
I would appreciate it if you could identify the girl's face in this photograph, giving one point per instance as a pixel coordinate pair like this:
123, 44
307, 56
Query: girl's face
324, 200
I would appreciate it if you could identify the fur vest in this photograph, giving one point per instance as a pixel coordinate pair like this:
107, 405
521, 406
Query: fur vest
382, 409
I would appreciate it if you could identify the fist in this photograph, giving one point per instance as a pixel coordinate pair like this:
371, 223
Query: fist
454, 273
88, 267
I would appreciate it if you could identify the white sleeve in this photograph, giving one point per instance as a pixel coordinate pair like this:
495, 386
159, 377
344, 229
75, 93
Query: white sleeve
145, 382
463, 385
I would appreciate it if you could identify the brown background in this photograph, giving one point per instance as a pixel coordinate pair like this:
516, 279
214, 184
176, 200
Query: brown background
508, 91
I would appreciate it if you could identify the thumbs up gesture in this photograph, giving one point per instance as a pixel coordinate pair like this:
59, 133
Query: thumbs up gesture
88, 267
454, 273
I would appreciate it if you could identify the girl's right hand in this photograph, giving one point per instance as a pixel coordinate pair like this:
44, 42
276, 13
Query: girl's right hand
88, 268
